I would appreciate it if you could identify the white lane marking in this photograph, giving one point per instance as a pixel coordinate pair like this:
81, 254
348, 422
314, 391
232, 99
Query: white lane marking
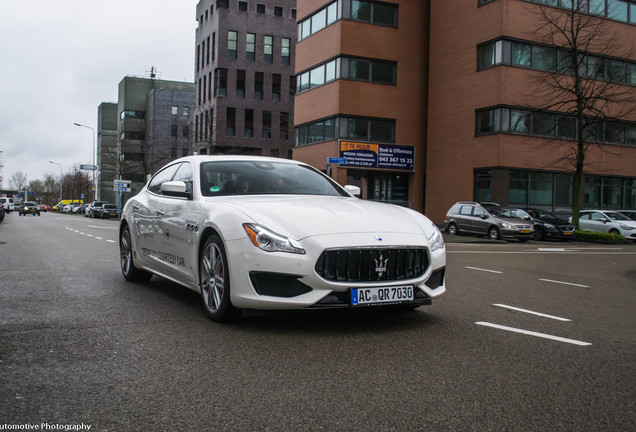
101, 227
564, 283
531, 333
89, 235
111, 241
484, 270
99, 238
531, 312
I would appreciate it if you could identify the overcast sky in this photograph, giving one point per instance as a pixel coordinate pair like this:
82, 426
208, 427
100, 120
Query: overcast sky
60, 59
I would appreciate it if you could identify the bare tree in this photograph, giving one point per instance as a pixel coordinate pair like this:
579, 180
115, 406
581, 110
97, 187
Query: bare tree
18, 181
586, 87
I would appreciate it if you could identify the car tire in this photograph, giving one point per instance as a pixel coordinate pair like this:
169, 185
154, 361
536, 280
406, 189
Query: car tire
614, 231
451, 229
493, 233
538, 234
128, 269
214, 281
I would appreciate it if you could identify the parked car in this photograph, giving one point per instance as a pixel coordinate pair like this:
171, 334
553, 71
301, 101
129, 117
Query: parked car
267, 233
607, 221
1, 213
105, 211
7, 204
546, 225
44, 208
89, 207
468, 217
29, 207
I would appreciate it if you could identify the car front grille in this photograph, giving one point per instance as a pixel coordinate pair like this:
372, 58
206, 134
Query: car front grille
370, 265
566, 228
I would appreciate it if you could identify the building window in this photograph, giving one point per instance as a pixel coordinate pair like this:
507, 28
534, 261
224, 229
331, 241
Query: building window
619, 10
220, 82
317, 21
268, 49
553, 59
260, 8
278, 11
284, 127
552, 125
293, 13
374, 13
232, 38
276, 87
213, 45
175, 110
248, 128
242, 6
222, 4
132, 114
230, 121
250, 46
358, 128
186, 111
240, 84
374, 71
185, 131
173, 130
266, 131
207, 51
285, 51
258, 85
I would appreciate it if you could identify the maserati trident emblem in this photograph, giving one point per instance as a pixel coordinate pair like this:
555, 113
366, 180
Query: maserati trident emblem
380, 265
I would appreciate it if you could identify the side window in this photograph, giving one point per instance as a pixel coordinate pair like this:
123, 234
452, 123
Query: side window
161, 177
455, 209
585, 216
597, 216
184, 174
477, 212
466, 210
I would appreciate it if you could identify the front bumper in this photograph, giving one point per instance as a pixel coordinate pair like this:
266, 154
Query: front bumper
256, 274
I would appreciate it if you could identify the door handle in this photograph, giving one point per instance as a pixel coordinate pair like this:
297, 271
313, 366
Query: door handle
135, 207
159, 213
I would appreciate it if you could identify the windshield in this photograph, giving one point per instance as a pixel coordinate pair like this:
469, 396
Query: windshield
617, 216
259, 178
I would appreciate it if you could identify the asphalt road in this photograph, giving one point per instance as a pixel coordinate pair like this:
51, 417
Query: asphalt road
535, 336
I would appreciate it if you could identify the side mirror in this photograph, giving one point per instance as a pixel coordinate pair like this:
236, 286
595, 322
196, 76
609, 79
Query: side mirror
175, 189
353, 190
484, 216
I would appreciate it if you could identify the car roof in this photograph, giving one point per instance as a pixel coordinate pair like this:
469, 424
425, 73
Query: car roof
232, 158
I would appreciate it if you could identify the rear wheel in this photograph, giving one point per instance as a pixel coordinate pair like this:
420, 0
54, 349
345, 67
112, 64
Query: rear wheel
493, 233
215, 281
128, 269
451, 229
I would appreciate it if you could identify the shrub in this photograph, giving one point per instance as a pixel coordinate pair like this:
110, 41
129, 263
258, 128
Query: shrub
599, 237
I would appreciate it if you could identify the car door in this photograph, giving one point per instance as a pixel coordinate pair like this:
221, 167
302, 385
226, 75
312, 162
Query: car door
594, 221
465, 219
177, 225
480, 221
146, 216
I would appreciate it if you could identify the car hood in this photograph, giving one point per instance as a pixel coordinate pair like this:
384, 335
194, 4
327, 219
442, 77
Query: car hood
305, 216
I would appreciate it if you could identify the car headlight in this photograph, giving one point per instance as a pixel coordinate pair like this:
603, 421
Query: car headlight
506, 225
548, 226
436, 239
270, 241
626, 227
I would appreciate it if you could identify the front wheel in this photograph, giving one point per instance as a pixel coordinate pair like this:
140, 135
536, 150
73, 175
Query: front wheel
493, 233
215, 281
614, 231
538, 234
128, 269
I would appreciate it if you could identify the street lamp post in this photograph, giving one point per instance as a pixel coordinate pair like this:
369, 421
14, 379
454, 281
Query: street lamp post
94, 184
61, 179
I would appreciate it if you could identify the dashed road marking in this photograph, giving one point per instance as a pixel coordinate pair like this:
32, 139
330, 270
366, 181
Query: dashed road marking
564, 283
531, 333
484, 270
531, 312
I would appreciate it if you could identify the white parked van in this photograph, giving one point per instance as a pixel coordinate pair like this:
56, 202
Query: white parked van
7, 203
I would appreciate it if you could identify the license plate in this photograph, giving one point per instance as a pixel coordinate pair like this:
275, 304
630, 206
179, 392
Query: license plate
381, 295
525, 231
568, 233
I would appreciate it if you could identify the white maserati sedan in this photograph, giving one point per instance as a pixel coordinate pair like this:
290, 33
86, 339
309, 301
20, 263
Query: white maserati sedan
266, 233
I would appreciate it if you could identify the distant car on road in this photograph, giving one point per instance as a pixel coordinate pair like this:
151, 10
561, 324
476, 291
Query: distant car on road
546, 225
105, 211
487, 219
29, 207
608, 221
89, 207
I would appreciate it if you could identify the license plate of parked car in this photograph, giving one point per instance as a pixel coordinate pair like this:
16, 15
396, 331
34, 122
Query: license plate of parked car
381, 295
